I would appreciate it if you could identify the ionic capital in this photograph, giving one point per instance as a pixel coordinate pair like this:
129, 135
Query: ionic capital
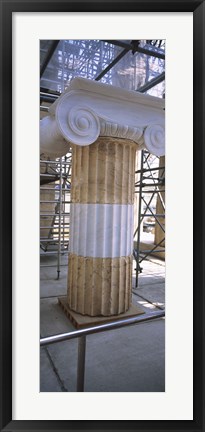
89, 109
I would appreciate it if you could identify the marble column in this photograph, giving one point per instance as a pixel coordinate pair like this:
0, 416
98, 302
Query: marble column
101, 227
105, 127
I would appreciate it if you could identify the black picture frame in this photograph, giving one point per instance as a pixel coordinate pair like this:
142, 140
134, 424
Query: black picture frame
7, 8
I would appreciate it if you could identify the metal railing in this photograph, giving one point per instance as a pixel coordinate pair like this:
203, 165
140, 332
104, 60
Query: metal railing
82, 333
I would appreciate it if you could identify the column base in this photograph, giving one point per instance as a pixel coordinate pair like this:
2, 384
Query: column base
81, 321
99, 286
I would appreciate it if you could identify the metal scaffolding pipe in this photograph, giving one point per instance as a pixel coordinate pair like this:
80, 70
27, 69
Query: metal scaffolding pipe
60, 213
152, 83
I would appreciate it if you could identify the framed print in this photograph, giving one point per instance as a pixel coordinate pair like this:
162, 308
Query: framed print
30, 33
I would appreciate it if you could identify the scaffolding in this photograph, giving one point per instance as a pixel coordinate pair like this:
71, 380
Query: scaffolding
150, 188
128, 64
55, 208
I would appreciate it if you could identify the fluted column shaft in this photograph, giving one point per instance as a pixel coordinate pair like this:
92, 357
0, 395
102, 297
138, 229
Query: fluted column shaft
101, 227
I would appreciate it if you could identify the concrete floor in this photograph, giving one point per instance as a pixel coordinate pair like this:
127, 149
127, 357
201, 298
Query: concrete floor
131, 359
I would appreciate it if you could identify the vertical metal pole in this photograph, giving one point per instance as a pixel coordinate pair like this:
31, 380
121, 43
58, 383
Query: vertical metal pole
59, 232
139, 217
81, 363
64, 199
63, 66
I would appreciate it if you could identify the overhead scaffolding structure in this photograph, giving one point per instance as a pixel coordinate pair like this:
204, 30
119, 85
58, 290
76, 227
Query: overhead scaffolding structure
128, 64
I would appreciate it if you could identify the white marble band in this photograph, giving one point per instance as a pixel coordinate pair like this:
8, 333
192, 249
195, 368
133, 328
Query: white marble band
101, 230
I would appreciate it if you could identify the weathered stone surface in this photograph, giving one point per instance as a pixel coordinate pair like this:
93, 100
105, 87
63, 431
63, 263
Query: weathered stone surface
99, 286
104, 172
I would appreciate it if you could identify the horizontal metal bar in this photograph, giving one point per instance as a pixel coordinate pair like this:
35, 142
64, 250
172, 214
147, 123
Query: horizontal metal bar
44, 108
55, 175
148, 169
150, 192
53, 265
101, 328
63, 230
64, 237
54, 162
153, 179
48, 97
53, 95
54, 202
150, 251
64, 252
54, 214
55, 237
54, 227
50, 175
149, 185
53, 240
152, 215
48, 188
54, 188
